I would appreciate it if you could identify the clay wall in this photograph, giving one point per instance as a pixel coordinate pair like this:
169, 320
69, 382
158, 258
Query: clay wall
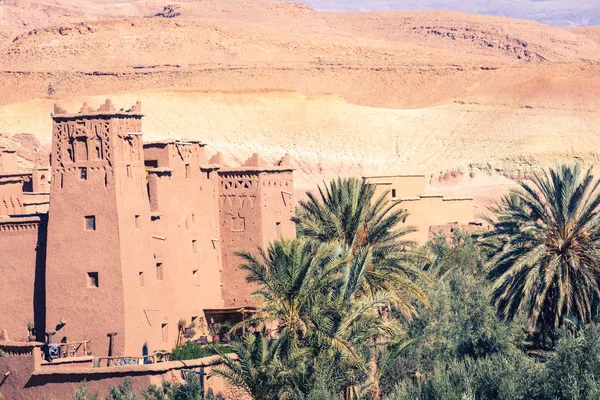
27, 381
8, 161
11, 194
241, 222
278, 205
184, 191
23, 252
427, 211
41, 179
20, 360
256, 206
142, 289
36, 203
401, 186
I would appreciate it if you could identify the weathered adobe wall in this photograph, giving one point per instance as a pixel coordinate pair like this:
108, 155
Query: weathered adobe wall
21, 360
186, 216
424, 211
41, 179
278, 206
36, 203
427, 211
241, 218
23, 252
142, 295
26, 382
8, 161
448, 230
256, 207
11, 195
398, 186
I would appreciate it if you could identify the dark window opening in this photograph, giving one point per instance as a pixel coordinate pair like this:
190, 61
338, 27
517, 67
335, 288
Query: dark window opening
137, 222
278, 230
196, 277
165, 332
142, 281
83, 173
90, 223
159, 271
393, 192
92, 280
195, 246
149, 164
187, 171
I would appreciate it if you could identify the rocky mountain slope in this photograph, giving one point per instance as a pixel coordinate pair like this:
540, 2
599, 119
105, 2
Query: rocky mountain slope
468, 100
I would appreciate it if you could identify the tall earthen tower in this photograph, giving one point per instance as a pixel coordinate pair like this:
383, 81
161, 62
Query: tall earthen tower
99, 253
256, 208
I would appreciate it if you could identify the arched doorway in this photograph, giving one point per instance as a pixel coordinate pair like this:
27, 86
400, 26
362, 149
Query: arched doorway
145, 353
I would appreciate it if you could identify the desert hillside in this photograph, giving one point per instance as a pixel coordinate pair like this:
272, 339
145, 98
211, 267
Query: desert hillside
469, 100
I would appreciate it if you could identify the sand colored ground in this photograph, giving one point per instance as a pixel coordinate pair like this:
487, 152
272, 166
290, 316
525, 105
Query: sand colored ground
468, 100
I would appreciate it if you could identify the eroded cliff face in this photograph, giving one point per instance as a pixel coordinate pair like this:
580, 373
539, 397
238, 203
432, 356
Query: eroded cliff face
471, 101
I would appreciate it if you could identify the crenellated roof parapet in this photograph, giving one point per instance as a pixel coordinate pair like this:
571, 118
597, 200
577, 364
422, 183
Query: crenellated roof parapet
105, 109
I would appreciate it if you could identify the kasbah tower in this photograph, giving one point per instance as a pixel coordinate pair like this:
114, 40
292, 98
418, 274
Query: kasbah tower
141, 235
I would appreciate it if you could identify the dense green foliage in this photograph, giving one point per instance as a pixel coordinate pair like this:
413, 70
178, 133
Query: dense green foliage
191, 389
191, 350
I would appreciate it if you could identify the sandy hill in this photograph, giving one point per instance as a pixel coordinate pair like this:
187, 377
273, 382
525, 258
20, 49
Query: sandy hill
466, 99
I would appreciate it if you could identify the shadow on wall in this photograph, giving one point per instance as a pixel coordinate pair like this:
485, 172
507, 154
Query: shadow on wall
39, 293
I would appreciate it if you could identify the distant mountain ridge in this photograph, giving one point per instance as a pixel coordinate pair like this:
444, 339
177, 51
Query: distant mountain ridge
561, 13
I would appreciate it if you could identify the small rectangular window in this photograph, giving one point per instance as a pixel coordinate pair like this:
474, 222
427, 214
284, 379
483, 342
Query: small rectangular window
165, 332
195, 246
159, 271
142, 281
83, 173
278, 230
394, 193
187, 171
128, 171
207, 174
92, 280
149, 164
137, 222
196, 277
90, 223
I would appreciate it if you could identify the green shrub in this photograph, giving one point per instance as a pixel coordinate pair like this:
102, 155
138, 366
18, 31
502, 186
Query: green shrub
191, 350
83, 393
122, 392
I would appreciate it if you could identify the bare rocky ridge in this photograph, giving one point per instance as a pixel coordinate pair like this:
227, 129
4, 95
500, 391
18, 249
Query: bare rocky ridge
469, 100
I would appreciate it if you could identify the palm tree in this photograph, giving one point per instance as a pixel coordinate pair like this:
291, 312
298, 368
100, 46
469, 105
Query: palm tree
258, 369
346, 212
310, 291
547, 259
291, 274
